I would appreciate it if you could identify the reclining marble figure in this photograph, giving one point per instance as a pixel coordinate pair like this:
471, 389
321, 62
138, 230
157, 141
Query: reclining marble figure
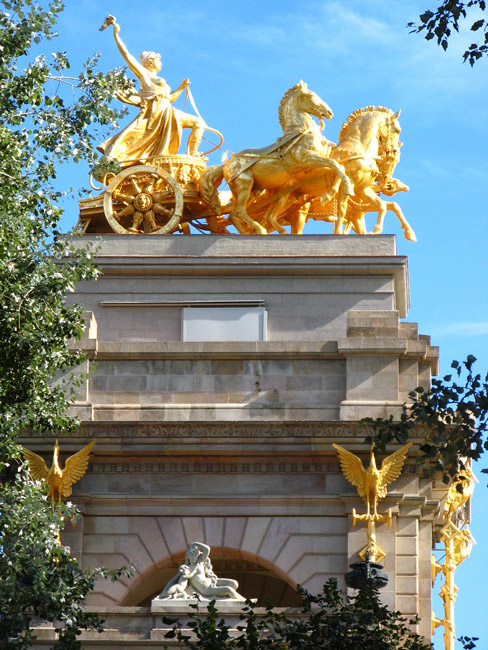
196, 578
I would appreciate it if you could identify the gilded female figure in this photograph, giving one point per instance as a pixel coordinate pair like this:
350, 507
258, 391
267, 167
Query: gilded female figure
156, 131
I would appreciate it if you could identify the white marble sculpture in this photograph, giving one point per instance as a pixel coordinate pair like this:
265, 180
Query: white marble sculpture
196, 578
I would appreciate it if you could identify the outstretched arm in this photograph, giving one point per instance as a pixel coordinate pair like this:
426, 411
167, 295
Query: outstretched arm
176, 93
131, 61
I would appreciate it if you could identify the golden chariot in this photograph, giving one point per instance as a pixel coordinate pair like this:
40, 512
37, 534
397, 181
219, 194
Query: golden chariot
299, 177
159, 198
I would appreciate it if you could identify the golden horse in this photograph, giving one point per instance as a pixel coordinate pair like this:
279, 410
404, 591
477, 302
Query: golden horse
270, 177
369, 150
356, 211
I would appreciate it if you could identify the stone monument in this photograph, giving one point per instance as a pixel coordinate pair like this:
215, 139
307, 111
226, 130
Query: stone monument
224, 367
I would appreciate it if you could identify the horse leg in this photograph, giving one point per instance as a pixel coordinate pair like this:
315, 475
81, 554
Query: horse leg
274, 211
346, 187
357, 223
328, 196
304, 156
341, 210
407, 229
377, 204
301, 219
241, 189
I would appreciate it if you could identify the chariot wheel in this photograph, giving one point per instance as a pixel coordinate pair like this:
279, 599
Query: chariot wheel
143, 199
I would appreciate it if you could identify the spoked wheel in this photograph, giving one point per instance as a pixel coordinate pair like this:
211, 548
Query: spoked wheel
143, 199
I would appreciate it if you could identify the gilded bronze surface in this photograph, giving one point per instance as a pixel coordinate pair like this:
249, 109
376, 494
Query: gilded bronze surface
460, 491
301, 176
282, 175
59, 481
457, 542
157, 130
147, 196
372, 485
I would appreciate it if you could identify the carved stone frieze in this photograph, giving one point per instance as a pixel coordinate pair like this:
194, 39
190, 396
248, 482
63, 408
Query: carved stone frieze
247, 430
221, 430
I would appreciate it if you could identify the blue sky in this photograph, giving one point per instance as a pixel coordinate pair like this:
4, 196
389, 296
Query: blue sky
242, 56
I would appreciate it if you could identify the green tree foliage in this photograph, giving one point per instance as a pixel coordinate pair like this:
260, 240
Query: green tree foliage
439, 24
327, 621
46, 118
40, 579
451, 418
39, 130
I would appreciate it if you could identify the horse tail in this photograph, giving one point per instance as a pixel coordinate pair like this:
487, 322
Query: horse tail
209, 183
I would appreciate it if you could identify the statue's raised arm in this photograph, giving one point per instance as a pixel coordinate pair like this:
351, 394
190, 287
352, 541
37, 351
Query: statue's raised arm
131, 61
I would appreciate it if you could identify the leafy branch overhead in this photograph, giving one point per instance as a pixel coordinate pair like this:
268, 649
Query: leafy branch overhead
449, 16
47, 118
451, 418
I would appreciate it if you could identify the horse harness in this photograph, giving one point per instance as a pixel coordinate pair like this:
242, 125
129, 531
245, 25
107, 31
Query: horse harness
289, 140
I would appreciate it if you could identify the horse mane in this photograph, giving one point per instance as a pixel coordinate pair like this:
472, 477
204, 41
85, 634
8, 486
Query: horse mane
284, 100
359, 113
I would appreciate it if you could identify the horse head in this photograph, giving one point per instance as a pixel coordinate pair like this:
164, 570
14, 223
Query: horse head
389, 132
312, 104
389, 143
373, 132
298, 103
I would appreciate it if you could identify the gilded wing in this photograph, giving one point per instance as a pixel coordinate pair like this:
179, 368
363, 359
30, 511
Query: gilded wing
353, 469
37, 465
391, 468
75, 468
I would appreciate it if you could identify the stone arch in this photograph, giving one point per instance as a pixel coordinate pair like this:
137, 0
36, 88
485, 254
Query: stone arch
294, 550
257, 578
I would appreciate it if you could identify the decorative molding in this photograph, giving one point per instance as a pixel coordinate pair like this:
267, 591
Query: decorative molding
182, 303
192, 467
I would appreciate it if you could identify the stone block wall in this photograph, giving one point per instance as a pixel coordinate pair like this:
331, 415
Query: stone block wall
230, 443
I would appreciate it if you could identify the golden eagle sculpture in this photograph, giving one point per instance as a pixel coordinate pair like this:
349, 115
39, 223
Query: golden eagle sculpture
59, 481
371, 483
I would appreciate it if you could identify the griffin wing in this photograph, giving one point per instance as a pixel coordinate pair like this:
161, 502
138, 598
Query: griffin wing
37, 465
391, 468
353, 470
75, 468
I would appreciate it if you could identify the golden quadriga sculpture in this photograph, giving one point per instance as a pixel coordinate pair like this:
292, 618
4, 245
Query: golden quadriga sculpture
301, 176
59, 481
372, 485
457, 543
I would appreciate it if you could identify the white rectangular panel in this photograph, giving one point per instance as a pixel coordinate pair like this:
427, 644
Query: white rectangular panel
224, 324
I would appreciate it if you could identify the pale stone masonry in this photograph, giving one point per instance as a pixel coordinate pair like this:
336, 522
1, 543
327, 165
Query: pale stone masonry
230, 443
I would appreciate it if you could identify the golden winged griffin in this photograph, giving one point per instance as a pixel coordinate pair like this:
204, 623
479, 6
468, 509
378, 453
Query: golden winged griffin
460, 492
59, 481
